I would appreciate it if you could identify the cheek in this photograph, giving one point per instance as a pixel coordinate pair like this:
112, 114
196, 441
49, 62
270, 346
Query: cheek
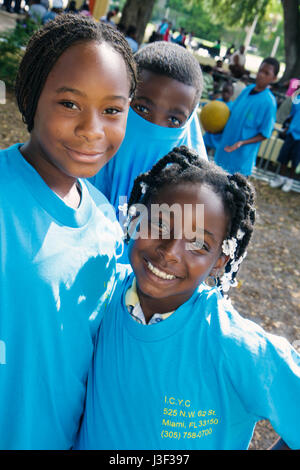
115, 133
138, 247
52, 128
199, 268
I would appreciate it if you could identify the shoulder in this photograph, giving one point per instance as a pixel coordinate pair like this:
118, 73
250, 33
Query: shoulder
97, 196
100, 201
270, 97
244, 93
7, 157
247, 89
123, 272
122, 281
9, 151
234, 334
106, 210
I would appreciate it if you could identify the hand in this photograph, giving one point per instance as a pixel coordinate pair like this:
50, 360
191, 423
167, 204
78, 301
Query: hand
232, 148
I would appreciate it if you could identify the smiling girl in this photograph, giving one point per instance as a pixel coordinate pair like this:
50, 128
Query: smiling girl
176, 366
58, 237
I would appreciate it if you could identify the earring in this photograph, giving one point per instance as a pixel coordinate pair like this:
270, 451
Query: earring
212, 281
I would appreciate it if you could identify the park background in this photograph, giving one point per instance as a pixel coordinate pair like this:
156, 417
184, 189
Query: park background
268, 291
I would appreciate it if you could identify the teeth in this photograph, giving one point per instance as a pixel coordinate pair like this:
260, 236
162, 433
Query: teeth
159, 273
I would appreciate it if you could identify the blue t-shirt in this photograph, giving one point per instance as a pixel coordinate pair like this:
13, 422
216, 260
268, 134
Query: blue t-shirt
250, 115
56, 263
199, 379
294, 127
144, 144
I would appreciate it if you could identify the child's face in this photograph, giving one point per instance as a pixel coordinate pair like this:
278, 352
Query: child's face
81, 115
163, 100
187, 262
265, 75
227, 93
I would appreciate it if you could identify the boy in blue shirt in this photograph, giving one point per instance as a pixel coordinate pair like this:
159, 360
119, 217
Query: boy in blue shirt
252, 120
176, 366
290, 151
162, 115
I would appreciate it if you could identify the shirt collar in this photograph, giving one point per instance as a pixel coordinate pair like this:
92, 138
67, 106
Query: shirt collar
133, 304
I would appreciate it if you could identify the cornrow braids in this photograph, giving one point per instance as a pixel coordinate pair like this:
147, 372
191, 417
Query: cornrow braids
48, 44
182, 165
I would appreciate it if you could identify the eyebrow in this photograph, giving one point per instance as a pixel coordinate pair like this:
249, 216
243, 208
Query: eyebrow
211, 235
65, 89
178, 111
145, 98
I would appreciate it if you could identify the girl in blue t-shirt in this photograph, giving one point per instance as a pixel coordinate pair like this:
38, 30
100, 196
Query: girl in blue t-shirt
58, 235
176, 367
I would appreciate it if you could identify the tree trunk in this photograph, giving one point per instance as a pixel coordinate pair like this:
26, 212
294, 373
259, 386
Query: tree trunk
137, 13
291, 39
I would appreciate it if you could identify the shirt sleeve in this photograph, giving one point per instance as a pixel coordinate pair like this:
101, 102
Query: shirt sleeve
268, 122
265, 370
108, 210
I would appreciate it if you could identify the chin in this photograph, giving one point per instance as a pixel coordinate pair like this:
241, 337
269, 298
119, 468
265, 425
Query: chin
87, 172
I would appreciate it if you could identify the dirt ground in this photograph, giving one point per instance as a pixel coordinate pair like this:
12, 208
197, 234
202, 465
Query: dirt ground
268, 291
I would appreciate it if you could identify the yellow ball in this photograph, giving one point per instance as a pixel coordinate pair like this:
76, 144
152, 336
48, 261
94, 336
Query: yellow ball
213, 116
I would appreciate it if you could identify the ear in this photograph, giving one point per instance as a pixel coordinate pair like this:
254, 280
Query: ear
220, 264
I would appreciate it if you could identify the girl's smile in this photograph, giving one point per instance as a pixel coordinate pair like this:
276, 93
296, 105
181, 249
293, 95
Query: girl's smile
158, 272
85, 155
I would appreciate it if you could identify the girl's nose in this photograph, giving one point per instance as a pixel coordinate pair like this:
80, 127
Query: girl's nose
90, 126
171, 250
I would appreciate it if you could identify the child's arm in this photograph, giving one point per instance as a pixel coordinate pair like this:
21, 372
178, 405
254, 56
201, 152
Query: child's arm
240, 143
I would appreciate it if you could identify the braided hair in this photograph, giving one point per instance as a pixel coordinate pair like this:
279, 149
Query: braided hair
48, 44
182, 165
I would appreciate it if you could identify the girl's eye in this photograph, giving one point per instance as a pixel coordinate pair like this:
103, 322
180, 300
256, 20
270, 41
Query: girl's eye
197, 245
141, 108
159, 226
112, 111
69, 105
175, 121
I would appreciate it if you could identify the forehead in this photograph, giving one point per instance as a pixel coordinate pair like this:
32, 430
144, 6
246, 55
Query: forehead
267, 68
156, 87
89, 64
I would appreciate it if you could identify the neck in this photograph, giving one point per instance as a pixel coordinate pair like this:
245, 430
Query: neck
257, 88
151, 305
63, 185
